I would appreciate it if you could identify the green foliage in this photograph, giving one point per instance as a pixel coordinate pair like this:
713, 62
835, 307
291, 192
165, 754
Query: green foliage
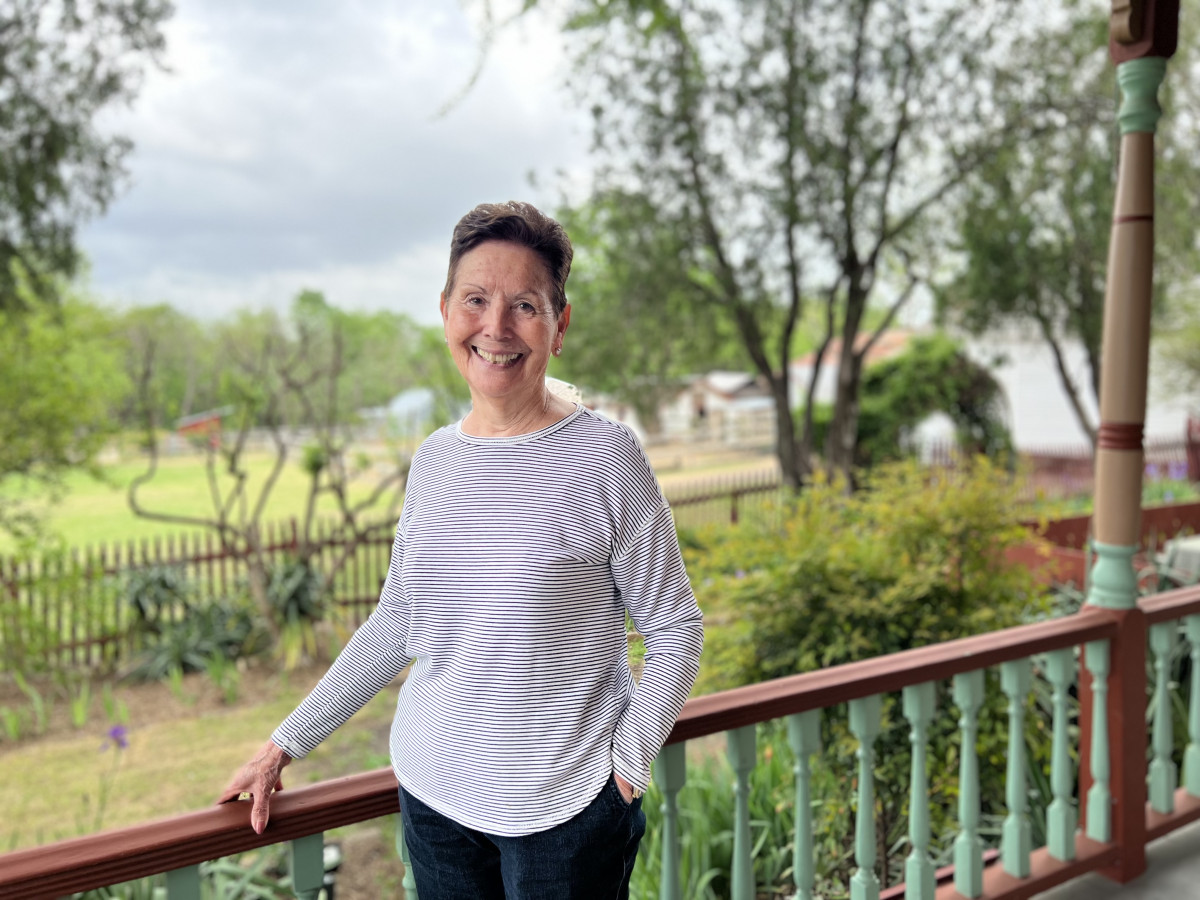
297, 592
174, 360
116, 710
314, 459
39, 705
931, 375
226, 678
706, 825
298, 596
15, 722
219, 628
645, 296
1035, 227
801, 157
258, 875
65, 65
156, 595
909, 560
60, 381
81, 703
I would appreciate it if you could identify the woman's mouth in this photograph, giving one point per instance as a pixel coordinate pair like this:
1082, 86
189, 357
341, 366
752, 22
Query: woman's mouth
497, 359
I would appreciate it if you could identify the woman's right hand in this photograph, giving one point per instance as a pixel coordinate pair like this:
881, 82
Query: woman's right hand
258, 778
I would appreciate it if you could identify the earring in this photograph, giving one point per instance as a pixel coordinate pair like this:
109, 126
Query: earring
558, 351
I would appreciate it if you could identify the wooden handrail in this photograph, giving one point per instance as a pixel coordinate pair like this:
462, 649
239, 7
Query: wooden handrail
822, 688
1176, 604
124, 854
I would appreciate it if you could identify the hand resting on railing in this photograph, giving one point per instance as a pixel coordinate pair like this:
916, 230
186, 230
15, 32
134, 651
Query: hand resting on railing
258, 778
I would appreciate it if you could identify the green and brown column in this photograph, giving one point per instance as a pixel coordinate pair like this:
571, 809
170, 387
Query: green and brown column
1142, 38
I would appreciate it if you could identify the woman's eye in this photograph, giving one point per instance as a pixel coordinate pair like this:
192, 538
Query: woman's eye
473, 301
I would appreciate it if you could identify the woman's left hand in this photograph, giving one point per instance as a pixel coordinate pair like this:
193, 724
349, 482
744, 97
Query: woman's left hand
624, 787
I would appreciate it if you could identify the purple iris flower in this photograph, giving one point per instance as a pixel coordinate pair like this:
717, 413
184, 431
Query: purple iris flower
118, 736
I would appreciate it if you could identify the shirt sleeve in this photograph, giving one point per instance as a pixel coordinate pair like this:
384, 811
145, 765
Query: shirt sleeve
375, 654
654, 587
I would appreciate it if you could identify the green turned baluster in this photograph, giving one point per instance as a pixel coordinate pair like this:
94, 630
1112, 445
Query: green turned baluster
1191, 757
864, 724
409, 883
1060, 817
968, 847
918, 868
184, 884
1016, 841
741, 742
804, 735
670, 774
1099, 808
1162, 768
308, 866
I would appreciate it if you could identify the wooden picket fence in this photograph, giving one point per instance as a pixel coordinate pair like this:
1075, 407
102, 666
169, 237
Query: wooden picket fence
70, 609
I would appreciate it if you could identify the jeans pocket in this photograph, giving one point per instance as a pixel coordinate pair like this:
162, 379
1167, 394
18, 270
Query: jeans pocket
615, 793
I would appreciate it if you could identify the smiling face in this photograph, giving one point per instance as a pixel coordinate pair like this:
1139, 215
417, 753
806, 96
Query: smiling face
501, 326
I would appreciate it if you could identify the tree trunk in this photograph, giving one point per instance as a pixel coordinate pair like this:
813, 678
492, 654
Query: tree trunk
842, 441
792, 468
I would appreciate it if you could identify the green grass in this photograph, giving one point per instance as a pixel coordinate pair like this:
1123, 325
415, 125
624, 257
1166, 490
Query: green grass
96, 511
55, 788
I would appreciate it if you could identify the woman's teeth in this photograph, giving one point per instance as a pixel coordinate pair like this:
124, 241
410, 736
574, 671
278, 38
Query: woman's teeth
498, 359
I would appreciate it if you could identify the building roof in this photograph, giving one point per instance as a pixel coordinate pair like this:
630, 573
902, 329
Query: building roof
891, 343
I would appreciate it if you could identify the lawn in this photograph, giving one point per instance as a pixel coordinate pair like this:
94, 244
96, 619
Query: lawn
182, 747
96, 510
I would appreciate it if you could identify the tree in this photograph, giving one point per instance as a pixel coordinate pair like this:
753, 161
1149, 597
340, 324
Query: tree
1035, 227
635, 334
932, 375
60, 382
61, 65
285, 379
804, 148
184, 365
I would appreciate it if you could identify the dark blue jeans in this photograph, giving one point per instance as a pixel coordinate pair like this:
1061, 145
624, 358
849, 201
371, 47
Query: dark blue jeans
588, 857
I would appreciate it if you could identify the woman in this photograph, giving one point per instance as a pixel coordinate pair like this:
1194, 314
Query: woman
529, 530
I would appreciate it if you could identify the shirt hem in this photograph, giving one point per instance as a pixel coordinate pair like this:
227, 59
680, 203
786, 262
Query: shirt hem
493, 828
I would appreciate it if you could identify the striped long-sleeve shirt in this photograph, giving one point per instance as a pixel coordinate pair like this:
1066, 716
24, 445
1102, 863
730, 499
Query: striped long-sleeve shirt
516, 560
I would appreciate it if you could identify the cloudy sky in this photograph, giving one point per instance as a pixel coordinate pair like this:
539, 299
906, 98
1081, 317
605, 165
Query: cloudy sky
299, 145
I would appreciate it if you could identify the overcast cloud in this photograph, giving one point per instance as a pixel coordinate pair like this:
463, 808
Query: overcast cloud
297, 145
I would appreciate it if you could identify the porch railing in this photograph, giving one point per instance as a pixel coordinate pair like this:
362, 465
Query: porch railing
1108, 833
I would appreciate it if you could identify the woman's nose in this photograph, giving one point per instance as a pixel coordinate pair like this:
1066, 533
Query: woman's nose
496, 320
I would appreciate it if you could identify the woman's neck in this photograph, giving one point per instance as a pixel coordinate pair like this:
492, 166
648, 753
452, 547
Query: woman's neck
489, 418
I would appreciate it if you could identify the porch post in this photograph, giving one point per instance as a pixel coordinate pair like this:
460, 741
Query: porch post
1142, 36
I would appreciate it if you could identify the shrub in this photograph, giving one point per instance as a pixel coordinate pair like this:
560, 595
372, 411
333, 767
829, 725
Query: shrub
297, 595
220, 629
154, 595
296, 592
908, 560
913, 558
